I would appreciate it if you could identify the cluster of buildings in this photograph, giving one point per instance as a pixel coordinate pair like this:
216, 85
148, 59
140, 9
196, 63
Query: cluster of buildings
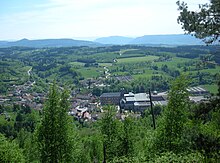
138, 102
20, 94
89, 107
130, 101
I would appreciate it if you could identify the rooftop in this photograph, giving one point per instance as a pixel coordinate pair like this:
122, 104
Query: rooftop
139, 97
160, 103
197, 98
130, 94
196, 89
113, 94
142, 104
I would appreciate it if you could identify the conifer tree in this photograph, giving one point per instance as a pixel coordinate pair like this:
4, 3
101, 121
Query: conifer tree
111, 130
174, 117
204, 23
54, 134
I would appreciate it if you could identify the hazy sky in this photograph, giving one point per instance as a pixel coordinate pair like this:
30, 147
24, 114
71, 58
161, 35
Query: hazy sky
38, 19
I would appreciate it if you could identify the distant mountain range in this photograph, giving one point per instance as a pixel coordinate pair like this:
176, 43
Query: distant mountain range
178, 39
115, 40
150, 40
48, 43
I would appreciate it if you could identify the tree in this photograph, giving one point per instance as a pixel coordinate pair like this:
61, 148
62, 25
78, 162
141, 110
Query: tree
218, 88
1, 109
171, 130
129, 137
111, 130
204, 23
9, 151
54, 134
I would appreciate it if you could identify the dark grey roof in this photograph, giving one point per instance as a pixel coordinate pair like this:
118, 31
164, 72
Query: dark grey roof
113, 94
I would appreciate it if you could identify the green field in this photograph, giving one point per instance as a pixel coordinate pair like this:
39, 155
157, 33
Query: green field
91, 72
77, 63
174, 62
211, 88
212, 71
137, 59
105, 64
147, 74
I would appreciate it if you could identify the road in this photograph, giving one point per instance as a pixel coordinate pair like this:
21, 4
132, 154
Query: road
29, 71
107, 74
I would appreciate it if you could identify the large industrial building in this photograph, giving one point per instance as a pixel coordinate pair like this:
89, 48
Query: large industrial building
131, 101
141, 101
111, 98
135, 102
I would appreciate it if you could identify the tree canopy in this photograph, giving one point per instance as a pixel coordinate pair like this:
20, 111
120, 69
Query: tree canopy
203, 23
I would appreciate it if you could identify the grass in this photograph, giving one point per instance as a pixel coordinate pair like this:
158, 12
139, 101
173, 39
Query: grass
120, 73
148, 74
91, 72
77, 63
212, 71
137, 59
105, 64
211, 88
173, 64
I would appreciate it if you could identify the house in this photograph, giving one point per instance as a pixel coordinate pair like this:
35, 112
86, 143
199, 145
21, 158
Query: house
111, 98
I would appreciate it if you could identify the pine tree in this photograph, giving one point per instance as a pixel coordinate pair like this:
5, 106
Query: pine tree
54, 134
204, 23
111, 130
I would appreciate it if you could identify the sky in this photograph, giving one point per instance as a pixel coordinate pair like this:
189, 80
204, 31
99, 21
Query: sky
88, 19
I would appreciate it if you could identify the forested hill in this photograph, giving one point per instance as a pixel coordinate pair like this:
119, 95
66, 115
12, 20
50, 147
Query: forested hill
48, 43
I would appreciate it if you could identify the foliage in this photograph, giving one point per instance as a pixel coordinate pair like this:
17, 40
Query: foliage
55, 136
9, 151
111, 130
172, 157
204, 23
171, 130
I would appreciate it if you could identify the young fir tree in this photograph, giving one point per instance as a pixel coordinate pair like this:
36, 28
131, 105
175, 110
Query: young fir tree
111, 130
54, 134
171, 130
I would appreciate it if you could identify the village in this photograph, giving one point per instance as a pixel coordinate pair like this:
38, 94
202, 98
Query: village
89, 107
